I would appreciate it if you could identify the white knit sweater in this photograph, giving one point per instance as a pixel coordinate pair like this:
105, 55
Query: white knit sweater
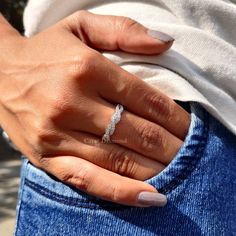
201, 66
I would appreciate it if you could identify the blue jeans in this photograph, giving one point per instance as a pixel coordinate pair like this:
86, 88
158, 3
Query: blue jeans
200, 184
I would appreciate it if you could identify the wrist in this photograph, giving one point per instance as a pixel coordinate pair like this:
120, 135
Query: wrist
11, 44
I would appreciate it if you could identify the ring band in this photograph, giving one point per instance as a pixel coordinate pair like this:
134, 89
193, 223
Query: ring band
112, 125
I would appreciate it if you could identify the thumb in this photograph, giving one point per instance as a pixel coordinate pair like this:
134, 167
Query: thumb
116, 33
102, 183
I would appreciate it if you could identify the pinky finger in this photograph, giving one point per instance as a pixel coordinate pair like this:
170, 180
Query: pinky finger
104, 184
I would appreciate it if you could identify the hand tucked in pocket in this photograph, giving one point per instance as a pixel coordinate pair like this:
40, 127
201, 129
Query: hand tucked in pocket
58, 94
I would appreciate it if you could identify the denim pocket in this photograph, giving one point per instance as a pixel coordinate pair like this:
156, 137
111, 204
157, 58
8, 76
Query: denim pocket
40, 183
187, 158
199, 184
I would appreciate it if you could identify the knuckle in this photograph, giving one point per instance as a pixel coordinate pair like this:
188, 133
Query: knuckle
80, 180
79, 65
60, 106
40, 134
116, 193
88, 60
151, 137
76, 17
37, 159
126, 23
122, 162
45, 140
43, 162
80, 14
158, 105
83, 63
64, 175
74, 66
83, 68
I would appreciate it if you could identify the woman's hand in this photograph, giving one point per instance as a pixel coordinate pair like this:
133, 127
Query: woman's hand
57, 96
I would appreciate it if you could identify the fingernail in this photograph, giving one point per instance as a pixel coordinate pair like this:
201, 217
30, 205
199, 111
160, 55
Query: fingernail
160, 36
152, 199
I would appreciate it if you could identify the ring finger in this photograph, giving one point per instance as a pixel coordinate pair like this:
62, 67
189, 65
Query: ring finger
135, 133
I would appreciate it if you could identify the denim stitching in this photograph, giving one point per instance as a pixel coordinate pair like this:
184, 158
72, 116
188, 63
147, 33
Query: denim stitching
198, 153
93, 204
24, 171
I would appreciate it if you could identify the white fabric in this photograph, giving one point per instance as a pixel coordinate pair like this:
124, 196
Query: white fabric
201, 66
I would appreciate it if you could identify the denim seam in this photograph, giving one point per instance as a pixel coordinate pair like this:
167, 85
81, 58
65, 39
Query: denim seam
20, 197
93, 204
197, 153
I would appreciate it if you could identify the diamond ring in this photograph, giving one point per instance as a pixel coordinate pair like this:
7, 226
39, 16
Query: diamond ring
112, 125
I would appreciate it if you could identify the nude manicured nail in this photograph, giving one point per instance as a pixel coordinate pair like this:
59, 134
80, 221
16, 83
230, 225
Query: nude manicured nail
152, 199
160, 36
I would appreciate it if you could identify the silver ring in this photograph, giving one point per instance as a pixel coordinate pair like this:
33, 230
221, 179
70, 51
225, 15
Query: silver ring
112, 125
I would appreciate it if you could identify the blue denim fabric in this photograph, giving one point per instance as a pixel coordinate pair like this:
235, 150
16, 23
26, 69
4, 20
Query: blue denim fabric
200, 184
